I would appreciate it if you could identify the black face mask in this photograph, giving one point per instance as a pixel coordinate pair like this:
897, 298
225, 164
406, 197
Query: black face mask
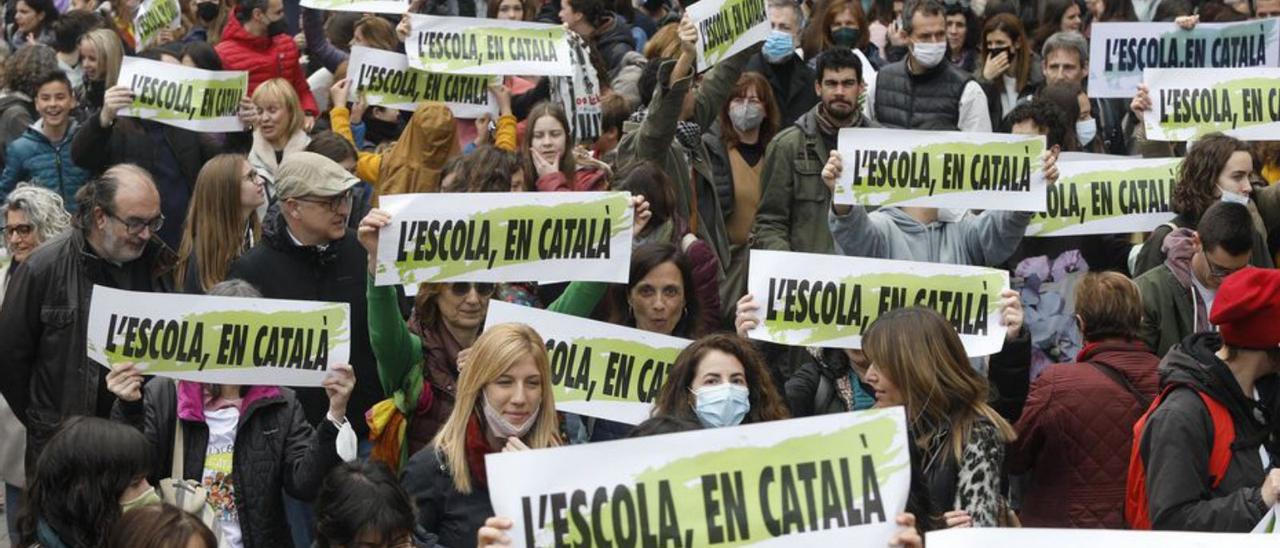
277, 27
378, 131
207, 11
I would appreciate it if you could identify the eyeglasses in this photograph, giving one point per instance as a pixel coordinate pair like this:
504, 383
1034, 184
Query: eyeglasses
482, 289
135, 226
1221, 272
18, 230
334, 203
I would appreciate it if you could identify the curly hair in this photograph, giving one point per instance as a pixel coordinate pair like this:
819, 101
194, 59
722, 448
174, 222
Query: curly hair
1198, 175
23, 70
44, 209
674, 398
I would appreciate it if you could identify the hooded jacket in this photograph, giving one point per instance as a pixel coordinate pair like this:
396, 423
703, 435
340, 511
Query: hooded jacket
613, 39
264, 57
987, 239
281, 269
1176, 443
414, 164
33, 157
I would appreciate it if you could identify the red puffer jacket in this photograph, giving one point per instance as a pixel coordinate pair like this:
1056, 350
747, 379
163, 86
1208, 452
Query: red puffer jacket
265, 57
1075, 434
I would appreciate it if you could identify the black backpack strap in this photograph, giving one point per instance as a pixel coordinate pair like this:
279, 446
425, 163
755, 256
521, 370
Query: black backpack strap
1115, 375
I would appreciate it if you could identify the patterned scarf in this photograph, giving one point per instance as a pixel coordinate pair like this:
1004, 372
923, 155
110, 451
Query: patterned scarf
829, 124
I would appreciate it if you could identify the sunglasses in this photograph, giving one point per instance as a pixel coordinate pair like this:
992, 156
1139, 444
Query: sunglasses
482, 289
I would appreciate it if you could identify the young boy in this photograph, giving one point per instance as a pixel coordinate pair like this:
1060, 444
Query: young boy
42, 154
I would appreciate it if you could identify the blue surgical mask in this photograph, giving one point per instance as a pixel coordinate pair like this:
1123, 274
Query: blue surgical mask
778, 46
723, 404
1086, 130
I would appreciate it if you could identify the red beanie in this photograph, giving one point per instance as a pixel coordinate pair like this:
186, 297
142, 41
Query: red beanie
1246, 309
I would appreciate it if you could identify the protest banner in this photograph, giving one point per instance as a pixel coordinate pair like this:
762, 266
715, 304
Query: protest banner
598, 369
509, 237
1118, 52
1108, 197
190, 98
466, 45
985, 537
1187, 104
385, 79
726, 27
809, 299
154, 16
896, 167
224, 340
839, 478
579, 94
389, 7
1268, 524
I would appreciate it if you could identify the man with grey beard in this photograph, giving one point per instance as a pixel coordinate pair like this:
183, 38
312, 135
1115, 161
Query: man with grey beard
45, 373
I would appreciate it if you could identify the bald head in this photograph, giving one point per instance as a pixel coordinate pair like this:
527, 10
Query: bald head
120, 212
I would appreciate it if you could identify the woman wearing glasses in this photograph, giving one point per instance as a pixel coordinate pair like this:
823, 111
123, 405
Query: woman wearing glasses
418, 360
220, 222
32, 215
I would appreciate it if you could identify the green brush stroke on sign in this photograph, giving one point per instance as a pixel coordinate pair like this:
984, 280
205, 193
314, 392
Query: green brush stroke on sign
1138, 189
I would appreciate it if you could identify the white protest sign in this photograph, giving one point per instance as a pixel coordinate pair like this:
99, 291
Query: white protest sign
726, 27
984, 537
1187, 104
1118, 52
389, 7
466, 45
154, 16
1268, 524
506, 237
739, 485
945, 169
190, 98
1108, 197
598, 369
224, 340
809, 299
386, 80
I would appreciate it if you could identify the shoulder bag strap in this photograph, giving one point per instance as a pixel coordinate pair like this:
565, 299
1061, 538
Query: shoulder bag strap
1119, 378
178, 448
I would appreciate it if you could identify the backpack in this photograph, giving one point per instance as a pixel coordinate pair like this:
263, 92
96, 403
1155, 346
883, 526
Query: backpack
1136, 510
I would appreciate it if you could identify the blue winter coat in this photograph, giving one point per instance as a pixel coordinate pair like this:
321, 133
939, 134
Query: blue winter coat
33, 158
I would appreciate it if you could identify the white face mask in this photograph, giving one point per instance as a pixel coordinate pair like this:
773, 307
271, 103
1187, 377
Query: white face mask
1086, 130
1234, 197
929, 54
501, 428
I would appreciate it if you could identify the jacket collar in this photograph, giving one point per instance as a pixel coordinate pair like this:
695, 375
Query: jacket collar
157, 254
1092, 349
191, 399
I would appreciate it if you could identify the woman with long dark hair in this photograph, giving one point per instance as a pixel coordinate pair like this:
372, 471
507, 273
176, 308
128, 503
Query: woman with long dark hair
1008, 69
720, 380
91, 472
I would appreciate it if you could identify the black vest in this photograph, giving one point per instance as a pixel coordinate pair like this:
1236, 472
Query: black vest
920, 101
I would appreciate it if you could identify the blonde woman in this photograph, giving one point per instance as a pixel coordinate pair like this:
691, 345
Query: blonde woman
221, 224
100, 55
918, 362
279, 128
504, 403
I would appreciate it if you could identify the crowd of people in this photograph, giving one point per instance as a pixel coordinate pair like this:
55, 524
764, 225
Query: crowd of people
1136, 388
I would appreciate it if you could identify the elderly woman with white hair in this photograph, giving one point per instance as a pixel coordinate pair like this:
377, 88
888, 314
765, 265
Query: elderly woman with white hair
32, 216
